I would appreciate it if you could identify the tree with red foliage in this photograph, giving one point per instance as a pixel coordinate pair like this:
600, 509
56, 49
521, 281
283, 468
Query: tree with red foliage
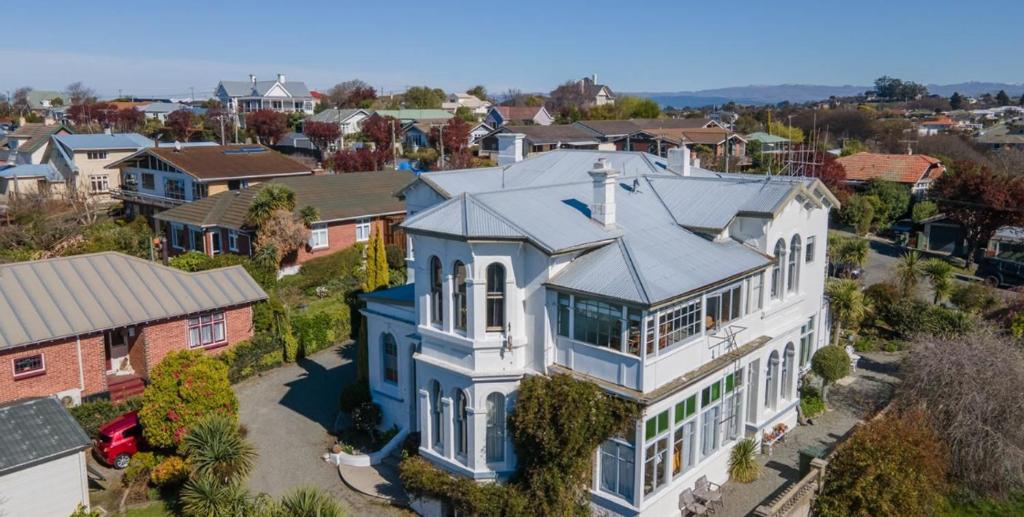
359, 160
267, 126
129, 120
321, 134
833, 175
102, 113
980, 200
361, 97
455, 134
182, 124
379, 130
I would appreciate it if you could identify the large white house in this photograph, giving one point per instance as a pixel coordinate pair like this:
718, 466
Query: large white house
696, 294
252, 95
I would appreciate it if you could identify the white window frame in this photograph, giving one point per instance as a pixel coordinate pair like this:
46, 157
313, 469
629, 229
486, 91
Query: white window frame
100, 180
605, 460
215, 244
318, 238
687, 445
661, 445
363, 229
809, 250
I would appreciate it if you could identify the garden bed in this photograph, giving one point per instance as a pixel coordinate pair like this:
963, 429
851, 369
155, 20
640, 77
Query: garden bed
360, 449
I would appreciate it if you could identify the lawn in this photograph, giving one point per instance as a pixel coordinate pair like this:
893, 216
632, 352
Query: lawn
155, 509
985, 507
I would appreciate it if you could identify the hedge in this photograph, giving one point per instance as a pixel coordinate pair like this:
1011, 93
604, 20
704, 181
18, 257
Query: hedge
322, 324
421, 479
340, 272
249, 358
93, 415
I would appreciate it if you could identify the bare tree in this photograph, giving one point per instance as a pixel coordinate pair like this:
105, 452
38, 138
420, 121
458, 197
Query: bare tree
969, 386
79, 93
20, 99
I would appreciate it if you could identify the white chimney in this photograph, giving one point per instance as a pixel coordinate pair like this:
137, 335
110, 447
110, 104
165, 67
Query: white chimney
280, 78
107, 131
593, 78
679, 160
252, 79
510, 148
602, 208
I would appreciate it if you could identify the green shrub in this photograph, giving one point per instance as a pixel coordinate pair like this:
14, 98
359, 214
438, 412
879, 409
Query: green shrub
866, 344
366, 417
831, 363
92, 415
140, 466
908, 318
322, 324
263, 274
811, 404
468, 497
132, 238
184, 388
882, 295
353, 395
974, 297
340, 272
249, 358
742, 465
172, 471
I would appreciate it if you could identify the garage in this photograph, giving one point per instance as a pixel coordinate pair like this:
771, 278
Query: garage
42, 450
942, 235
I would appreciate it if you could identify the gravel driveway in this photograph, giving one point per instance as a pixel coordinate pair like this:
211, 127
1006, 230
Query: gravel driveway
288, 412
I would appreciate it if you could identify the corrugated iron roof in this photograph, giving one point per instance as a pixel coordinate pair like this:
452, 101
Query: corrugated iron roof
43, 300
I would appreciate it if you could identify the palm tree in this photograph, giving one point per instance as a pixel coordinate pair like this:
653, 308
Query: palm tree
309, 215
270, 199
216, 449
310, 502
940, 275
908, 272
204, 496
846, 301
846, 250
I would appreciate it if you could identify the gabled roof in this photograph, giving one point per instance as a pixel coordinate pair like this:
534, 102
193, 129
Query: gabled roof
409, 115
609, 128
761, 136
591, 89
296, 89
553, 134
704, 135
517, 113
164, 107
218, 162
674, 123
335, 196
709, 204
337, 115
37, 430
44, 300
32, 170
464, 216
37, 135
902, 168
103, 141
36, 97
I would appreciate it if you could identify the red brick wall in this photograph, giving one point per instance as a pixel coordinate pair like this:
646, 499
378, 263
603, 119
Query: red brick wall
62, 372
340, 235
163, 338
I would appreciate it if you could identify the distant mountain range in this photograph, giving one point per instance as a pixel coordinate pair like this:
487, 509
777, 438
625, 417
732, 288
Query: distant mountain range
772, 94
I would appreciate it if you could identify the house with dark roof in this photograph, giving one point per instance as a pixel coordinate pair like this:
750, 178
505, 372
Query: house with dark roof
538, 139
1001, 136
350, 207
518, 116
42, 459
278, 94
699, 296
157, 178
917, 171
89, 325
28, 143
595, 94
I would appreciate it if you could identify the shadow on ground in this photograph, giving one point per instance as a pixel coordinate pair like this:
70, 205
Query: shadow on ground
314, 394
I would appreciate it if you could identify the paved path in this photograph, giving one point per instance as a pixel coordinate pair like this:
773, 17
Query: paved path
856, 398
288, 412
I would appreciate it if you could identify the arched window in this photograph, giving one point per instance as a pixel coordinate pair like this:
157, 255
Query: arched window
461, 434
436, 425
771, 378
780, 257
793, 271
787, 371
459, 295
495, 298
435, 290
495, 428
389, 358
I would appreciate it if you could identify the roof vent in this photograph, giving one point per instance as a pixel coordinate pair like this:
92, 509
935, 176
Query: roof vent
177, 146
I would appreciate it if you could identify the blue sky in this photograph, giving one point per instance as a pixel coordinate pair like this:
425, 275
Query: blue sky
164, 48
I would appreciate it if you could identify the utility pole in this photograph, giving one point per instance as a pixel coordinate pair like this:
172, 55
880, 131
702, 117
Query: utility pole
192, 91
394, 157
440, 141
222, 135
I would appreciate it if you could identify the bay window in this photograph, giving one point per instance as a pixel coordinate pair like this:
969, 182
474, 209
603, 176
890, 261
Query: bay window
806, 342
206, 329
711, 424
787, 372
755, 292
793, 271
675, 324
496, 429
600, 323
617, 467
389, 358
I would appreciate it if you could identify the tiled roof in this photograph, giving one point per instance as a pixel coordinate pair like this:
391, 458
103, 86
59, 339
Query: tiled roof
210, 162
707, 136
673, 123
37, 133
335, 196
57, 298
33, 431
518, 113
901, 168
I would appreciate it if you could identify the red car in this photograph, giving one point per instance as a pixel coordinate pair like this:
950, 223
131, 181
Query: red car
119, 440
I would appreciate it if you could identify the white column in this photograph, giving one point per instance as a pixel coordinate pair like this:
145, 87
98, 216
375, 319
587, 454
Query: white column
425, 429
446, 428
474, 456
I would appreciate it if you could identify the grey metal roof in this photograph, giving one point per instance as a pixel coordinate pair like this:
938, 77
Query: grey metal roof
335, 115
83, 142
57, 298
466, 217
712, 203
164, 107
247, 89
34, 431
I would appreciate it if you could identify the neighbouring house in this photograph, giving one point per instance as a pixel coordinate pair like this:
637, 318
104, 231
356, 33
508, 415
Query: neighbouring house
90, 325
42, 101
676, 123
537, 139
917, 171
410, 115
717, 140
350, 206
318, 98
28, 143
627, 135
940, 234
157, 178
28, 180
82, 160
350, 121
465, 100
936, 126
697, 295
277, 95
1007, 243
1002, 136
499, 116
161, 110
595, 94
42, 459
478, 131
773, 144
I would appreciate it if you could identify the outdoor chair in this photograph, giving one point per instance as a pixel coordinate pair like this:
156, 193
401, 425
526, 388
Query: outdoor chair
709, 493
853, 357
689, 506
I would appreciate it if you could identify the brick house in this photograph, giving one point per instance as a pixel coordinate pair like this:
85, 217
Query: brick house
90, 325
351, 207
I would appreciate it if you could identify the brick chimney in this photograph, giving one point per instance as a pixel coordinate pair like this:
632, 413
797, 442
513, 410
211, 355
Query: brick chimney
602, 208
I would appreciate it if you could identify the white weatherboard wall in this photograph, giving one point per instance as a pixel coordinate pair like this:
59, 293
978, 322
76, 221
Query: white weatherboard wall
54, 488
